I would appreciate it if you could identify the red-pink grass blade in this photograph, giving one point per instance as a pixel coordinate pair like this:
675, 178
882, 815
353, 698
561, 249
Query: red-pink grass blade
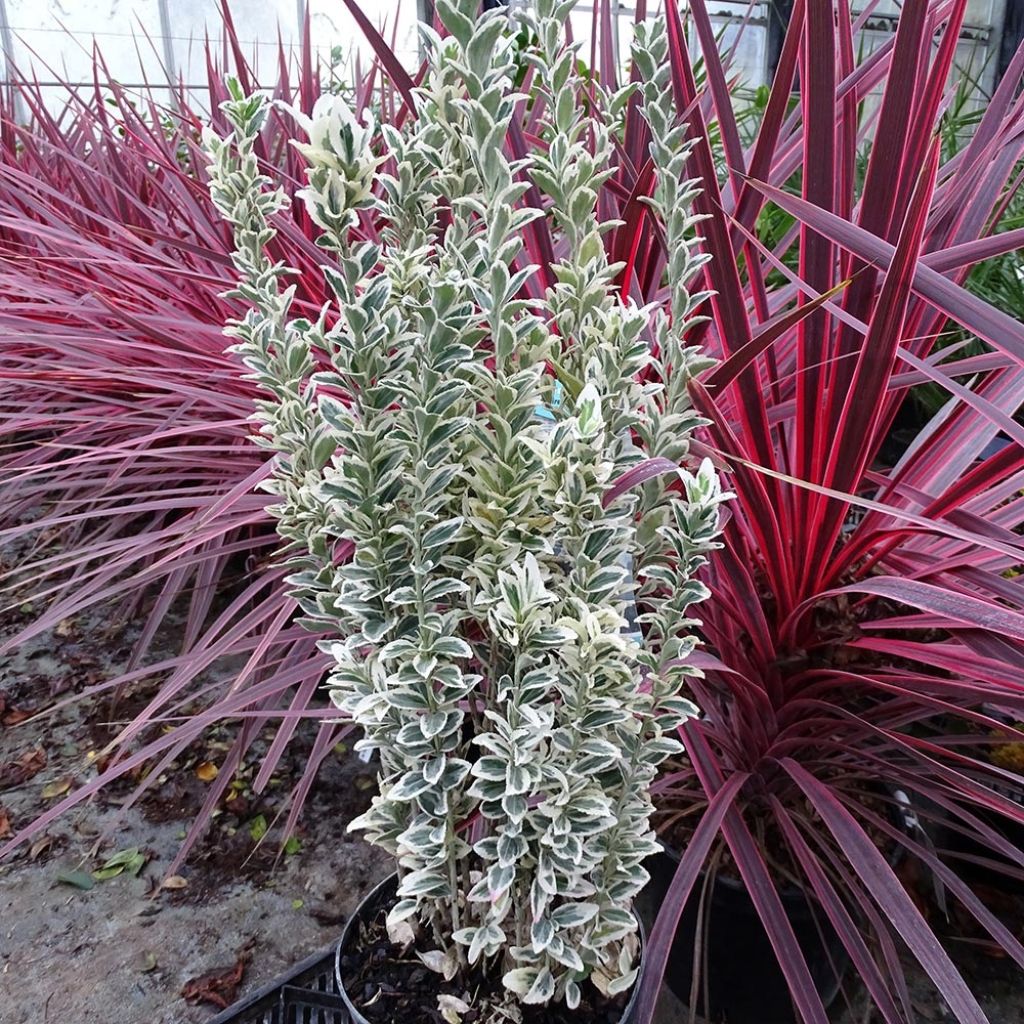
761, 887
952, 607
636, 475
989, 323
923, 523
725, 372
956, 257
845, 927
861, 410
385, 54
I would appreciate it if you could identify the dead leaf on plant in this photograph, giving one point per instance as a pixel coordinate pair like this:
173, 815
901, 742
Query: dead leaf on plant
218, 986
452, 1008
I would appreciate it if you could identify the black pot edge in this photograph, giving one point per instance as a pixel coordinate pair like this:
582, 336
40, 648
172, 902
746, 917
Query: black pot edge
906, 818
736, 885
380, 887
233, 1013
797, 898
795, 904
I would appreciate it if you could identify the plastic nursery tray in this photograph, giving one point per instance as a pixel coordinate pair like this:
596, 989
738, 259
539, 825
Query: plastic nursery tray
305, 995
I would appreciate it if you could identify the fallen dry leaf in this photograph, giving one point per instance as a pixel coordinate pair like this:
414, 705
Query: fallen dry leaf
218, 986
63, 628
56, 788
14, 773
207, 771
39, 847
5, 823
13, 716
452, 1008
174, 882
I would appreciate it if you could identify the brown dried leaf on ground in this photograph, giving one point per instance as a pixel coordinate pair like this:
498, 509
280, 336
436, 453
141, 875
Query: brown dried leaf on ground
219, 986
39, 847
16, 772
9, 714
13, 716
5, 823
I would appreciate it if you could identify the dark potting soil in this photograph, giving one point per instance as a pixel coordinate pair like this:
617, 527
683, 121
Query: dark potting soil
389, 985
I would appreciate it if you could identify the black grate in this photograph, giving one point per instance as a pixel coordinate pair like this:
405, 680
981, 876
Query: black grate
306, 995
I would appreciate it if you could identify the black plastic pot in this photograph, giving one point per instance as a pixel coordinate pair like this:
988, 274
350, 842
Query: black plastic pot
744, 983
305, 995
383, 896
979, 863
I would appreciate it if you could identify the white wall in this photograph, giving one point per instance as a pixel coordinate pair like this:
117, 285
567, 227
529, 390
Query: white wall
147, 40
150, 40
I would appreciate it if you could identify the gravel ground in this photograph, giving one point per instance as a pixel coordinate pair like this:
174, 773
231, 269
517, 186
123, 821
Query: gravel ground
126, 950
119, 953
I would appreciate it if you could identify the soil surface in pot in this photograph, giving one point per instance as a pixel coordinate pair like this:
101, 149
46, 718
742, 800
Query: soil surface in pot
387, 984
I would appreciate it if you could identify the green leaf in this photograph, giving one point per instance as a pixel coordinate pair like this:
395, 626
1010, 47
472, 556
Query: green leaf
571, 384
122, 858
130, 860
292, 845
103, 874
451, 647
79, 879
258, 827
574, 915
442, 533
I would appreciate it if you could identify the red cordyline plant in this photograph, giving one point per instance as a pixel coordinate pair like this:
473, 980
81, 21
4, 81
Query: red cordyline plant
127, 477
865, 631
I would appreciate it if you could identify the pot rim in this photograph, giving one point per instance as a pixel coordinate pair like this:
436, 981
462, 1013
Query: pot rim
902, 815
357, 915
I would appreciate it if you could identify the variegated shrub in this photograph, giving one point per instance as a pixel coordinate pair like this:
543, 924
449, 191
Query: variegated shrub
447, 468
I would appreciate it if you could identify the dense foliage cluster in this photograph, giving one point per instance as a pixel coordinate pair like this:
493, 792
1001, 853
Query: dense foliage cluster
482, 640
